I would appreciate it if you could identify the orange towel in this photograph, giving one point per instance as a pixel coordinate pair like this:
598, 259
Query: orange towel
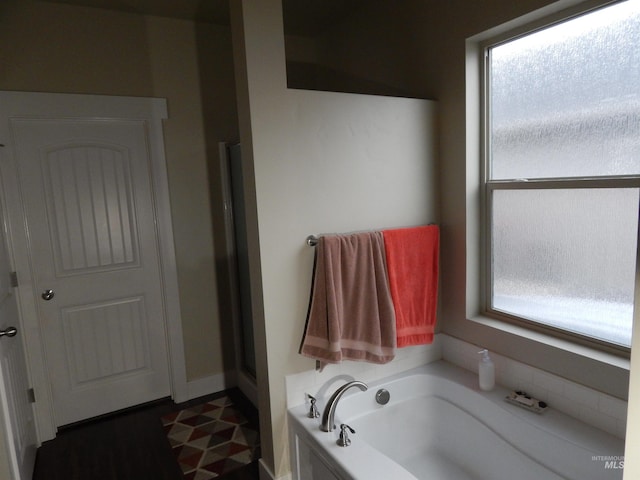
412, 263
351, 312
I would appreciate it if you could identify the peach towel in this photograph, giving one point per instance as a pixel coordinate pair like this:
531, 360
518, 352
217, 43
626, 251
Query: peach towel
412, 262
351, 313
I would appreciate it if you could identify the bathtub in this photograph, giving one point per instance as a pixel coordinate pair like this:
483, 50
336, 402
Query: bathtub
439, 426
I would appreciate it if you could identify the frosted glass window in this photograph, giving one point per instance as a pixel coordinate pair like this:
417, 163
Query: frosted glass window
562, 176
565, 100
566, 258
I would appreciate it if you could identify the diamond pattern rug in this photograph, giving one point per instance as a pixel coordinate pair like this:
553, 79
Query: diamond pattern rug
211, 439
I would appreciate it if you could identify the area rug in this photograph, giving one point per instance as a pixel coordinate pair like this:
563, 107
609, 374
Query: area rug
211, 439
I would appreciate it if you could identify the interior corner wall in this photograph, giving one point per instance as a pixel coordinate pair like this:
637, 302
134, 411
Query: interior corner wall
174, 67
323, 162
50, 47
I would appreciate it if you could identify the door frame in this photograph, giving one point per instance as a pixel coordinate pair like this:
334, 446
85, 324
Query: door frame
47, 105
20, 459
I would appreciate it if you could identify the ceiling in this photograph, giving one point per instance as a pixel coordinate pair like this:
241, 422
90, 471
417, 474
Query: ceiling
301, 17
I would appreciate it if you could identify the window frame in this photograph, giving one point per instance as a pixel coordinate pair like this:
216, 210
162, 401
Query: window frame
488, 186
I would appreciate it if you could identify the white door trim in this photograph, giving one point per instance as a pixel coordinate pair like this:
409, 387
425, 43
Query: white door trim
153, 111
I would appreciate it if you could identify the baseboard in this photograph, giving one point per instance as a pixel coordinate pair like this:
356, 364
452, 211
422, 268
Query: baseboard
266, 474
212, 384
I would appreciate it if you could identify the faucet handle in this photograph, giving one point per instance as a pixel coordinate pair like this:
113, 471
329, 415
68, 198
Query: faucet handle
313, 410
344, 440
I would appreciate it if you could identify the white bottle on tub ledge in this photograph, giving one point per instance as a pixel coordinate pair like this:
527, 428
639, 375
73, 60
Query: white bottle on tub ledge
486, 371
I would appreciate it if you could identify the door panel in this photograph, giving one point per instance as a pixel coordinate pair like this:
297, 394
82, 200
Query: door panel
89, 210
116, 331
89, 198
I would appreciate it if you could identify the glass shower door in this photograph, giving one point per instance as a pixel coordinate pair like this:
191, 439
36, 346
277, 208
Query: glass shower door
242, 260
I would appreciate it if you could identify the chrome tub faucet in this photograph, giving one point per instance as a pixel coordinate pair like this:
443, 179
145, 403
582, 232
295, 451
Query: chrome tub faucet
329, 413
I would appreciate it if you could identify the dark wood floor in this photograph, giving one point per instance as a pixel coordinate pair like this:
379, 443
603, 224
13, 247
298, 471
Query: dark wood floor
130, 445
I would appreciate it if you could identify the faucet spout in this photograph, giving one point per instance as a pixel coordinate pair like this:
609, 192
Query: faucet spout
329, 413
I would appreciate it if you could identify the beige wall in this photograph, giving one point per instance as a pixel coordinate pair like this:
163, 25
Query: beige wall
322, 162
59, 48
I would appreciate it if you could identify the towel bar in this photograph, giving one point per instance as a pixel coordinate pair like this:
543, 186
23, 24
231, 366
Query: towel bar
312, 240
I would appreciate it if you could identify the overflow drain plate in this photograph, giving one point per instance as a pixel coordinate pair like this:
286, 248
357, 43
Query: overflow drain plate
382, 396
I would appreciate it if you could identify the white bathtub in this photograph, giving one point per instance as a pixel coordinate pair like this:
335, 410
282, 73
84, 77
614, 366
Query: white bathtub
439, 426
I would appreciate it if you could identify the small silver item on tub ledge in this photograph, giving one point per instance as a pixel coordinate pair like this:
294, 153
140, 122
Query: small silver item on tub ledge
344, 440
382, 396
527, 402
313, 409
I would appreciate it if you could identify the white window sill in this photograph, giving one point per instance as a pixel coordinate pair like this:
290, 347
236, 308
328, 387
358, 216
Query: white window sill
554, 342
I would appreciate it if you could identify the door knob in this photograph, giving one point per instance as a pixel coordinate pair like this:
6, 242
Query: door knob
48, 294
9, 332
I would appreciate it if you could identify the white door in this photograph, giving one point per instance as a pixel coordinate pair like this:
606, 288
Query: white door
88, 202
16, 412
